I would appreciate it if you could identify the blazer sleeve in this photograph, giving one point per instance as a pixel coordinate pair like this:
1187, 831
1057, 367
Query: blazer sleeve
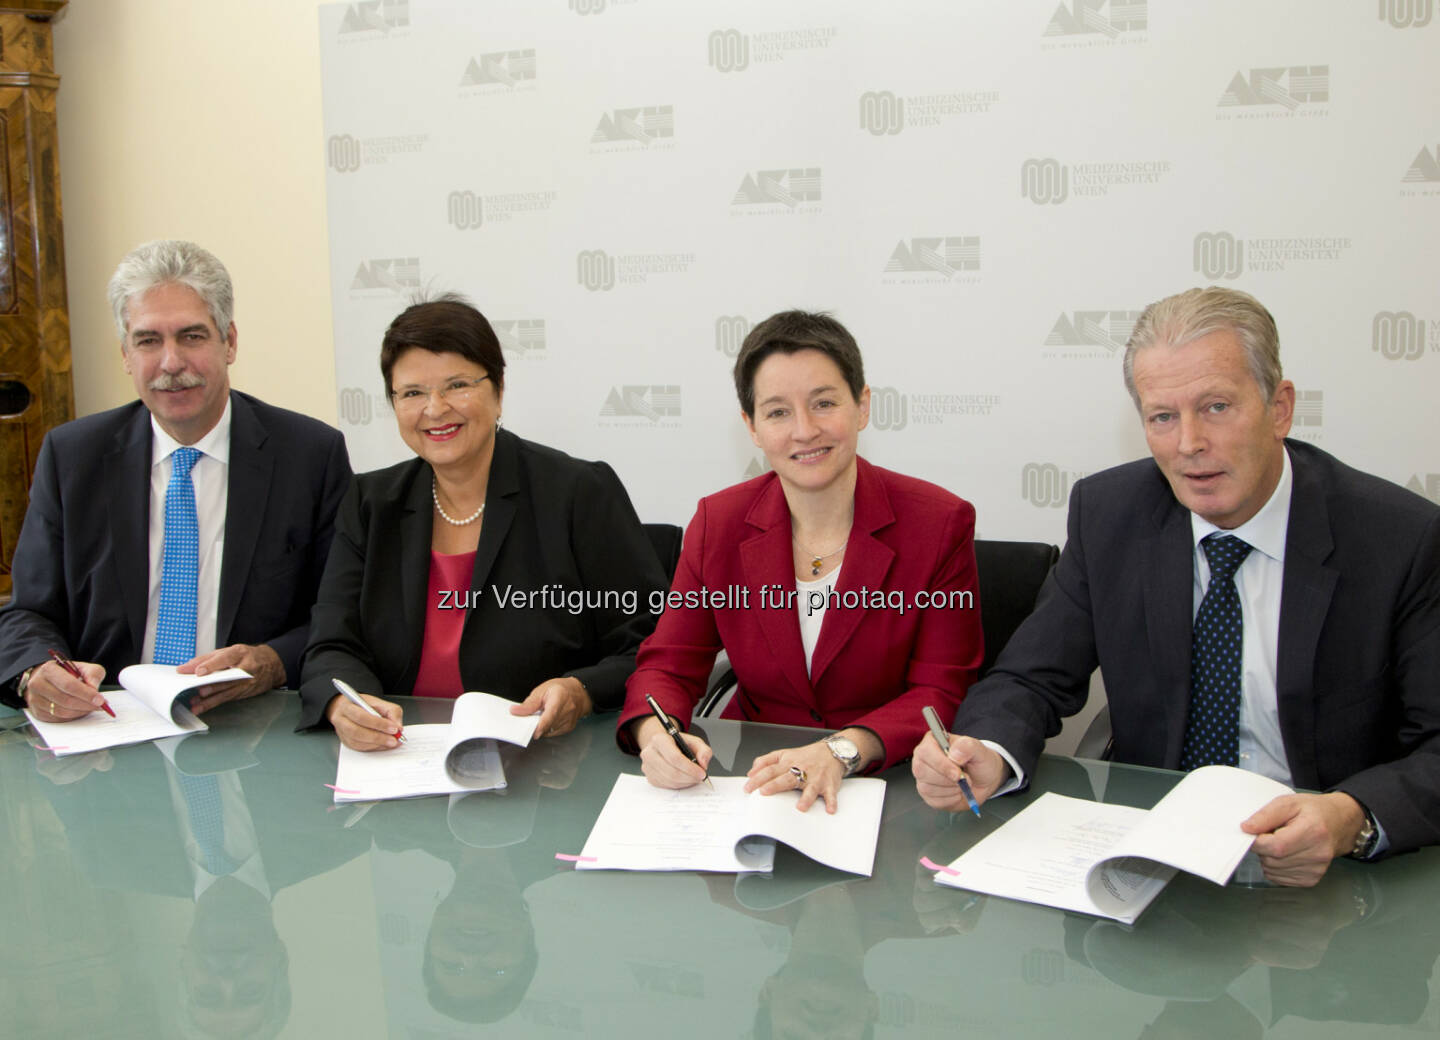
949, 646
335, 479
337, 646
1043, 674
675, 661
34, 620
1404, 794
614, 556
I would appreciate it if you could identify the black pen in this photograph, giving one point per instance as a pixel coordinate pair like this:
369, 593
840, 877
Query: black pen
938, 732
674, 732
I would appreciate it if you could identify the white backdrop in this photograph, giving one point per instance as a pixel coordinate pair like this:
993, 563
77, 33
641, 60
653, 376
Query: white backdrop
986, 192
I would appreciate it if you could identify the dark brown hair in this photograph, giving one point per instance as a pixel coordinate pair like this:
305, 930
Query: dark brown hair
448, 324
792, 331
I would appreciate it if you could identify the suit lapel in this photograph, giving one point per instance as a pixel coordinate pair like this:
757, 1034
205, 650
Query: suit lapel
867, 562
413, 549
766, 559
1167, 577
501, 491
251, 464
1306, 591
127, 492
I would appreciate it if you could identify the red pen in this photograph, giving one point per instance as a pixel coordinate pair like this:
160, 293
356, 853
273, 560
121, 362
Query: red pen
69, 665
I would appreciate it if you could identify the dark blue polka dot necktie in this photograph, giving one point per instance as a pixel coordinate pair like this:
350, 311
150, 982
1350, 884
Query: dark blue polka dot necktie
1212, 729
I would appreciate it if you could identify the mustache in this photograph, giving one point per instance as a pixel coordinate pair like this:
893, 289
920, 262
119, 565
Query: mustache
182, 381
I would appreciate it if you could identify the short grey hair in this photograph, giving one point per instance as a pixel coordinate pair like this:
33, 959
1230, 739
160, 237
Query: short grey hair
1194, 313
167, 262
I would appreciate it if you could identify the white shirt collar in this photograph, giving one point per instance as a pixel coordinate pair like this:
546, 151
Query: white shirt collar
215, 444
1265, 531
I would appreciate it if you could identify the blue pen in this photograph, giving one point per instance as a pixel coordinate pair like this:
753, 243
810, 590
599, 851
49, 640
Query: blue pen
938, 732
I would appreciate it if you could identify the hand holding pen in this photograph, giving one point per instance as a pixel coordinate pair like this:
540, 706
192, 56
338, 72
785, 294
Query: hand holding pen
367, 729
657, 759
937, 731
70, 693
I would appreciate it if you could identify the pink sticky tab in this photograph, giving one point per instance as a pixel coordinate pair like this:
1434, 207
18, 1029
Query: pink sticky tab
341, 790
930, 864
42, 747
574, 859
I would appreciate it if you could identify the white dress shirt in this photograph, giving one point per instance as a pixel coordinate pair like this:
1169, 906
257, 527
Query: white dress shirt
211, 478
812, 620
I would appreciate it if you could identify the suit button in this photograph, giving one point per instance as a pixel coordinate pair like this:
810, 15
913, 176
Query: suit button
814, 714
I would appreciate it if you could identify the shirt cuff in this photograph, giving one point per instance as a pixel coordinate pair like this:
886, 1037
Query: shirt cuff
1016, 781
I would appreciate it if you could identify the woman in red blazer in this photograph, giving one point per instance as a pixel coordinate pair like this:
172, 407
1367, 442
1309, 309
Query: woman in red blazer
843, 593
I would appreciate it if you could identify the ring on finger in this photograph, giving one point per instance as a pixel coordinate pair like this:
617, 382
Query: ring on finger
52, 707
799, 775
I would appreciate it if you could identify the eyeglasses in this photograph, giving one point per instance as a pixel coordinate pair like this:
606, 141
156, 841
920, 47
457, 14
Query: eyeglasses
455, 392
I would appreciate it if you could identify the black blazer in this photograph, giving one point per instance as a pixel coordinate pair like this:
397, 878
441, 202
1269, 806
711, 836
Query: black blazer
1358, 675
81, 567
549, 520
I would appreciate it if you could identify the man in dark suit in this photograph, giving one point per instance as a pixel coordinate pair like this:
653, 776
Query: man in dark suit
260, 489
1313, 656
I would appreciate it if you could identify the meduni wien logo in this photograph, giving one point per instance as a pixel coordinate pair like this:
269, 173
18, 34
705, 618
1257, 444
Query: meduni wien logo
1045, 484
1401, 336
730, 332
1407, 14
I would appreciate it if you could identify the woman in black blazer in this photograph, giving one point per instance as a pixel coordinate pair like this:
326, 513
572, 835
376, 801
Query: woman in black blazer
485, 563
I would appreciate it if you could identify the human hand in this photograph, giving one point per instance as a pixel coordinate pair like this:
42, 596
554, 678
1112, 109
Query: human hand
262, 662
561, 704
360, 730
661, 761
1299, 834
937, 773
54, 695
819, 777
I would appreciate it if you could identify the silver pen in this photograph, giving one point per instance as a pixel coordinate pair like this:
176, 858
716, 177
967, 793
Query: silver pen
938, 732
348, 692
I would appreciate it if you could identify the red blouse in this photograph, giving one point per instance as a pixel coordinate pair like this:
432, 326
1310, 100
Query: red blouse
439, 674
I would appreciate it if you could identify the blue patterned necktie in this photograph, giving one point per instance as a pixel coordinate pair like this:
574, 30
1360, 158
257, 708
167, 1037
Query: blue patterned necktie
207, 820
180, 565
1212, 729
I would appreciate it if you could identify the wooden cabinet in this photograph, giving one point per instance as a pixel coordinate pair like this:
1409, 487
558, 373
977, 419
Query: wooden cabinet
36, 392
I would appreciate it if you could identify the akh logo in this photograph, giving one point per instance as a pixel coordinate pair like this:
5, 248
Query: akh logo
644, 402
1107, 330
779, 190
521, 338
371, 17
635, 126
1108, 18
501, 68
1429, 486
391, 276
1289, 88
947, 259
1425, 168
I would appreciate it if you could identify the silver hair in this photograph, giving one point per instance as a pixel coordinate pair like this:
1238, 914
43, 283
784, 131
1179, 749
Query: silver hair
1187, 316
166, 262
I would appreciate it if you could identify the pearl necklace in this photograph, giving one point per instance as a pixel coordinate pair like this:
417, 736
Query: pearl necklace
435, 494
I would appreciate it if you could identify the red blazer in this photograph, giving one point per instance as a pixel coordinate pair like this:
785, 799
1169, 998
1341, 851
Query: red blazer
874, 666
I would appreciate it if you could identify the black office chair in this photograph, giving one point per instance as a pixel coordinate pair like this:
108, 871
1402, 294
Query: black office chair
1010, 575
666, 538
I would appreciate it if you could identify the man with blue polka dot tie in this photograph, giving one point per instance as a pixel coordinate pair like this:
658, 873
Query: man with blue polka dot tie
1248, 599
187, 528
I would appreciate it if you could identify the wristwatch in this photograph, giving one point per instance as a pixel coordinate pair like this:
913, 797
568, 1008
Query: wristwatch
1366, 839
23, 682
844, 749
